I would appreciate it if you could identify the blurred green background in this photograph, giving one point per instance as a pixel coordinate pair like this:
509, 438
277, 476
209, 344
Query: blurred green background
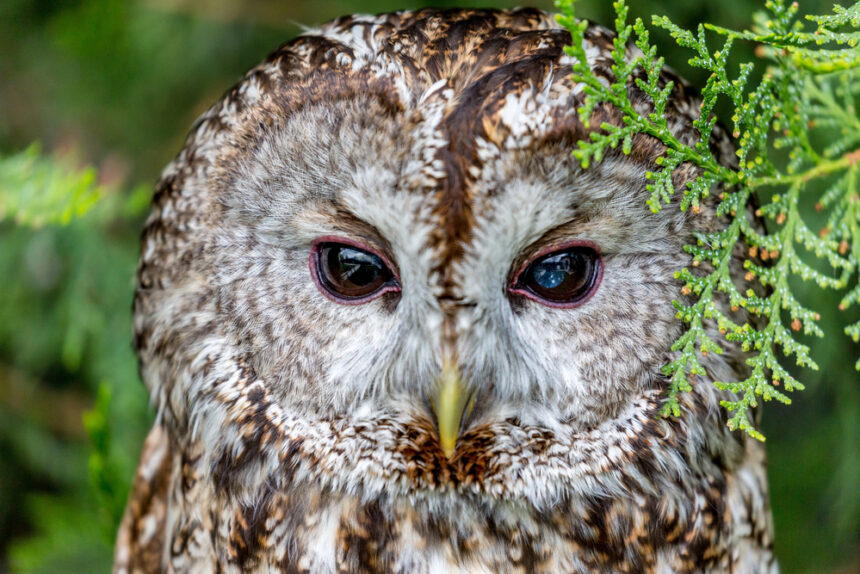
116, 85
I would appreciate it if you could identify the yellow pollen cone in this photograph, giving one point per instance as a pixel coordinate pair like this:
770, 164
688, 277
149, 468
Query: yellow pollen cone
450, 403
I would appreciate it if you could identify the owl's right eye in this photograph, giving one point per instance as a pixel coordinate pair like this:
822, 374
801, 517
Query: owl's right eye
350, 274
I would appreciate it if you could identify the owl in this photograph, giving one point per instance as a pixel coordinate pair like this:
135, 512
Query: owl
389, 324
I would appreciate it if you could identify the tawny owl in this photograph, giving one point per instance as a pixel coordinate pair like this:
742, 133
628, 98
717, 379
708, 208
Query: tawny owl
390, 324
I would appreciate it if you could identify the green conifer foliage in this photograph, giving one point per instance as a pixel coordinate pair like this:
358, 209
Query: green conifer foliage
811, 81
35, 190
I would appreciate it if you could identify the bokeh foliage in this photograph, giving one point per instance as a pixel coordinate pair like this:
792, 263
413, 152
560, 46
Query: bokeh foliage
115, 85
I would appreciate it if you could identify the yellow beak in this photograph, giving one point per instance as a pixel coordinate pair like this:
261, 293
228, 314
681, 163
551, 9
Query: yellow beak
449, 405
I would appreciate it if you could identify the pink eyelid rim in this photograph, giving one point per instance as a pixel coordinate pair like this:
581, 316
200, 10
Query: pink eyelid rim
552, 249
315, 271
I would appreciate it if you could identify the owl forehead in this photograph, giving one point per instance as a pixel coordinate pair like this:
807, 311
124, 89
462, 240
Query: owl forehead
423, 179
447, 97
418, 127
443, 131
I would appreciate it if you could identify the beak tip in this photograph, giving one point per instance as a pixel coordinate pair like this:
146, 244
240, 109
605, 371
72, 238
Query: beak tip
449, 447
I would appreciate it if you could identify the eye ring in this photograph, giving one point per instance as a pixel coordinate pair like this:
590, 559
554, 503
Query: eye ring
585, 251
324, 278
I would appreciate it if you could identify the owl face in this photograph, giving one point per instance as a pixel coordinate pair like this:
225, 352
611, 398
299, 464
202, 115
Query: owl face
373, 208
344, 256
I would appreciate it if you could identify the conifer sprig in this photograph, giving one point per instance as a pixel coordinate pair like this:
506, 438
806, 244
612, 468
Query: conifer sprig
36, 190
811, 82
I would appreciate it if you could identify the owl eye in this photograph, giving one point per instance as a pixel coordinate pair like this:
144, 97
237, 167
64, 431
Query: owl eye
349, 274
563, 278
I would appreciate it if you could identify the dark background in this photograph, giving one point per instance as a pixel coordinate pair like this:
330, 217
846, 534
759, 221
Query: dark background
116, 85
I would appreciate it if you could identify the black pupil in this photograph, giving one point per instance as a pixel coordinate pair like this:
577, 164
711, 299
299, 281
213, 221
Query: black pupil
562, 276
352, 272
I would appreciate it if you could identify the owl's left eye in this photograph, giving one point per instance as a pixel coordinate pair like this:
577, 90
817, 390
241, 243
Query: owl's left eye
350, 274
566, 277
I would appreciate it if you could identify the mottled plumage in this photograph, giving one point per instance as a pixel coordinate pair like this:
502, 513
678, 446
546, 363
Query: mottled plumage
297, 434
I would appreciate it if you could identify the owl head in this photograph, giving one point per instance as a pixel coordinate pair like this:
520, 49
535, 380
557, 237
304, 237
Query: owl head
376, 258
